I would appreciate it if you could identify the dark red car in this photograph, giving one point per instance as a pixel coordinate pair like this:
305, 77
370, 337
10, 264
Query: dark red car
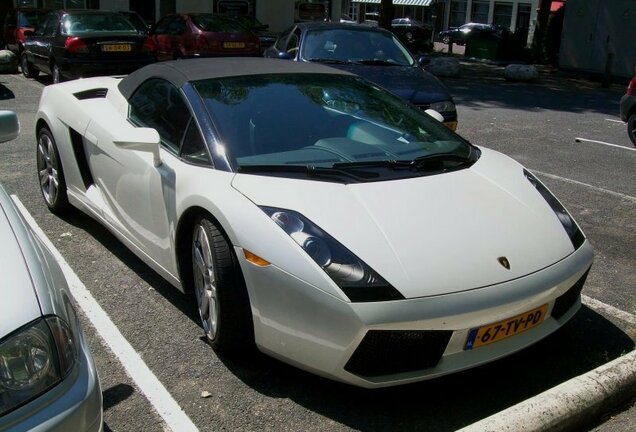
202, 35
16, 22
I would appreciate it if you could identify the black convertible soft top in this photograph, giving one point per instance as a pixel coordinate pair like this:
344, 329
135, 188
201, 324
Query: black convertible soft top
179, 72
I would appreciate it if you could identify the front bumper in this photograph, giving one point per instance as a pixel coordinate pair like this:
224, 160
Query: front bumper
302, 325
75, 404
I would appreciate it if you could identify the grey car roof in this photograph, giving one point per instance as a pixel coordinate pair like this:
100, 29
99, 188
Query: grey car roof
179, 72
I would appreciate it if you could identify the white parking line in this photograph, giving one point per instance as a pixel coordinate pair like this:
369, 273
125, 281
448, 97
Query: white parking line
608, 309
589, 186
615, 121
138, 371
604, 143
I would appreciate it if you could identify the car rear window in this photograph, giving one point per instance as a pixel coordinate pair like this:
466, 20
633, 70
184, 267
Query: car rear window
30, 18
78, 24
215, 23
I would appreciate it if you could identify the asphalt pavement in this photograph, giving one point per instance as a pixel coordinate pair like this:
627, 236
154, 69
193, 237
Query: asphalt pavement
538, 124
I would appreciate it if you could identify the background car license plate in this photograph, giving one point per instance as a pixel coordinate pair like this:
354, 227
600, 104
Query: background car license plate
117, 48
495, 332
233, 44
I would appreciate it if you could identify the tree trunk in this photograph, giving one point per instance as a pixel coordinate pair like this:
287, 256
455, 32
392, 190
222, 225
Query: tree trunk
386, 14
538, 41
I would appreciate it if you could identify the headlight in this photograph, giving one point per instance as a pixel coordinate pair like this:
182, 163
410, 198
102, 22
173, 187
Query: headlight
33, 360
571, 228
443, 106
356, 279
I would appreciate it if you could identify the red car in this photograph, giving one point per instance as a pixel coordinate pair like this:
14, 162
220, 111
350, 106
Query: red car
16, 22
202, 35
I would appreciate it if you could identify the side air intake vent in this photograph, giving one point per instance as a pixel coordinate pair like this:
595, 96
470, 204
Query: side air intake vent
97, 93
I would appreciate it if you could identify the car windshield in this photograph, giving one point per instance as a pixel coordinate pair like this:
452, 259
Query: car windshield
354, 45
321, 121
30, 18
79, 24
217, 23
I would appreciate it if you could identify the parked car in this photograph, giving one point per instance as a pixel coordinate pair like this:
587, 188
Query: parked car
414, 34
318, 216
628, 109
203, 35
79, 43
265, 37
48, 379
373, 53
461, 34
16, 22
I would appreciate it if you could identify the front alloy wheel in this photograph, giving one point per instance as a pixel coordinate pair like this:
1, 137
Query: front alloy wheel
221, 295
50, 173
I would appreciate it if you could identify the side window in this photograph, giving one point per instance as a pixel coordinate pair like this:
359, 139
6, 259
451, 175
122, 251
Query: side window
292, 43
282, 39
193, 147
46, 24
159, 105
176, 27
50, 25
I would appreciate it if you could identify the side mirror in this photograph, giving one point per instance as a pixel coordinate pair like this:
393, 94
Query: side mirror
437, 116
141, 139
9, 126
284, 55
423, 60
29, 33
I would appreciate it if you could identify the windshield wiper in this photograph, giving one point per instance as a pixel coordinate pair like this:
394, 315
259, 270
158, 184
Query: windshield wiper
436, 161
378, 62
310, 171
330, 61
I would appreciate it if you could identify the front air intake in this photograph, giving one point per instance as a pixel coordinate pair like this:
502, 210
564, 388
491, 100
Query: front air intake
386, 352
565, 301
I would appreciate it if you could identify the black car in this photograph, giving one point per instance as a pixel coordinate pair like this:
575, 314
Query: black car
412, 33
628, 109
373, 53
72, 44
461, 34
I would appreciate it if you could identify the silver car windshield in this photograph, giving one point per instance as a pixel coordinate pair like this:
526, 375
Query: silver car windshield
324, 121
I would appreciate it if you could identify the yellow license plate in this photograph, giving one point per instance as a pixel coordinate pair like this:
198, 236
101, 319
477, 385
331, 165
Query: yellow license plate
117, 48
495, 332
233, 44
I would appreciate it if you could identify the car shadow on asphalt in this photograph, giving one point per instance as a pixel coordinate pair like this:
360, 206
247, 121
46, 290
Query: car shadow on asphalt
447, 403
5, 93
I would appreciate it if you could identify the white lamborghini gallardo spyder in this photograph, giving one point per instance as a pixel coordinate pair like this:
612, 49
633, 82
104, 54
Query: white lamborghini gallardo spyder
316, 215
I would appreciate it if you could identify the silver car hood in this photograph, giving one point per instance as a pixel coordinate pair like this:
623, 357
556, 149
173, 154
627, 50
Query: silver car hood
19, 304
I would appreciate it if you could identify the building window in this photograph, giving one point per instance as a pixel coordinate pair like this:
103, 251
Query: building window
503, 15
480, 10
457, 13
523, 16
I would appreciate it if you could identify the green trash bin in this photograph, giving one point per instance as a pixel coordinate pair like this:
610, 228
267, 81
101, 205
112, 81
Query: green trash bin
483, 47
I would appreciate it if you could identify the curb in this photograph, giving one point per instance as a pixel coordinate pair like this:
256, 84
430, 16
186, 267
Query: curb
570, 405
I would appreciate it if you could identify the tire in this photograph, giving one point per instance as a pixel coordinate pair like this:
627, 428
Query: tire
631, 127
51, 174
27, 68
56, 74
220, 291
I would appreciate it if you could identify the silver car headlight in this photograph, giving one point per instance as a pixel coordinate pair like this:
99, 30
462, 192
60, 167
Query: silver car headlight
443, 106
571, 228
356, 279
34, 359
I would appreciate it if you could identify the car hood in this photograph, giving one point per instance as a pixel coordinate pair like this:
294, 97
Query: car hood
431, 235
19, 304
409, 82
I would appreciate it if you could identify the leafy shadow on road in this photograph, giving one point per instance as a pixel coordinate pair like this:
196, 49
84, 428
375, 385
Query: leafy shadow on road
447, 403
